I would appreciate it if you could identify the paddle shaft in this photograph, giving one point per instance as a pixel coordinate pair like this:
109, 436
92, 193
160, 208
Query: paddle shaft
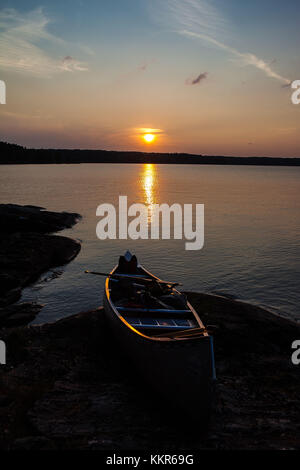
183, 333
126, 276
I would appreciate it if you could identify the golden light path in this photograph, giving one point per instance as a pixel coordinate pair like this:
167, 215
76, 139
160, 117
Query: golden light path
148, 182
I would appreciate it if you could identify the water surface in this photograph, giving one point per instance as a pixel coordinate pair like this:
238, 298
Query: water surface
252, 221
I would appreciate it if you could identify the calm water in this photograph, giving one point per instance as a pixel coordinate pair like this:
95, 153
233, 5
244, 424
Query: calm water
252, 221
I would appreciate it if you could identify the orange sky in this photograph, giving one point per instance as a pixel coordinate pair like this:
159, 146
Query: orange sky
98, 79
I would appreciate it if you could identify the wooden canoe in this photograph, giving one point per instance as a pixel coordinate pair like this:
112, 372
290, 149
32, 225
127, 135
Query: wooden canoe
170, 347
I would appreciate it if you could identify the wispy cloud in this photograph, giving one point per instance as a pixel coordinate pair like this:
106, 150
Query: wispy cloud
148, 130
69, 64
21, 36
197, 80
246, 58
200, 19
195, 16
143, 67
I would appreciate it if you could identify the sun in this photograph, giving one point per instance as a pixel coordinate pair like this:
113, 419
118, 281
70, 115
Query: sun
149, 138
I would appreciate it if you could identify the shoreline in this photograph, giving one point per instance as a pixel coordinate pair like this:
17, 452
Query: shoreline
265, 308
16, 154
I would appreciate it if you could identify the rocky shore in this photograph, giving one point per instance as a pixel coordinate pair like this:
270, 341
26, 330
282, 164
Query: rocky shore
27, 249
66, 385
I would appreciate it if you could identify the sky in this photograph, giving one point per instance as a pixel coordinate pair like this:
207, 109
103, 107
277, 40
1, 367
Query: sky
202, 76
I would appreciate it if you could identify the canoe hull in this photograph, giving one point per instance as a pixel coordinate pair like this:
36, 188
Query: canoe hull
182, 371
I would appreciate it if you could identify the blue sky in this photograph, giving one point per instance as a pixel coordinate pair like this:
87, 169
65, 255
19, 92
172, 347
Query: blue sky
107, 69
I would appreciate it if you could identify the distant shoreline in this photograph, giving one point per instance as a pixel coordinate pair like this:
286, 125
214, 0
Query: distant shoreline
11, 154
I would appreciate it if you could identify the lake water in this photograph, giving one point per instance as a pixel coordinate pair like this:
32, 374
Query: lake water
252, 222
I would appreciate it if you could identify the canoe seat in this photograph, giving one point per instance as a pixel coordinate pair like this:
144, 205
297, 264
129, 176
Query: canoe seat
161, 323
154, 313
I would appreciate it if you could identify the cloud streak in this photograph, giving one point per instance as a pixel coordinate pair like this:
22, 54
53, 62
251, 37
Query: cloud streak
197, 80
143, 67
200, 19
21, 36
149, 130
246, 58
69, 64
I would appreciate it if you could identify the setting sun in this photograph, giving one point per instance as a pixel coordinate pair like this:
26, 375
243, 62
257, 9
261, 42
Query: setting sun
149, 138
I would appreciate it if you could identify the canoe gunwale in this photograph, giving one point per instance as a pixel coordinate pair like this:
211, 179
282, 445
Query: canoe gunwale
154, 339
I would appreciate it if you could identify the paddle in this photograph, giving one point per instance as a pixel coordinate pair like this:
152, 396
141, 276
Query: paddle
183, 333
126, 276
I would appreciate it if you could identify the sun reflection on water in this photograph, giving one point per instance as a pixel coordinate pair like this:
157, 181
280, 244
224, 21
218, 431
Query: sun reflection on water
148, 181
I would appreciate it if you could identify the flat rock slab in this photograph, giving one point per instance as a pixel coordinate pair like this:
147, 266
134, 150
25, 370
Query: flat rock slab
16, 218
25, 256
27, 250
68, 386
19, 314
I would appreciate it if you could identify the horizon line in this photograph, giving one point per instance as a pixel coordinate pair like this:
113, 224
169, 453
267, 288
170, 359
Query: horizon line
182, 153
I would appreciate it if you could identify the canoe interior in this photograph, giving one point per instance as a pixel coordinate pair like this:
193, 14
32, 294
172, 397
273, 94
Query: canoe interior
151, 315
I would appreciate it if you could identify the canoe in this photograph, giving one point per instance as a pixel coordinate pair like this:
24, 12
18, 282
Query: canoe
163, 336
